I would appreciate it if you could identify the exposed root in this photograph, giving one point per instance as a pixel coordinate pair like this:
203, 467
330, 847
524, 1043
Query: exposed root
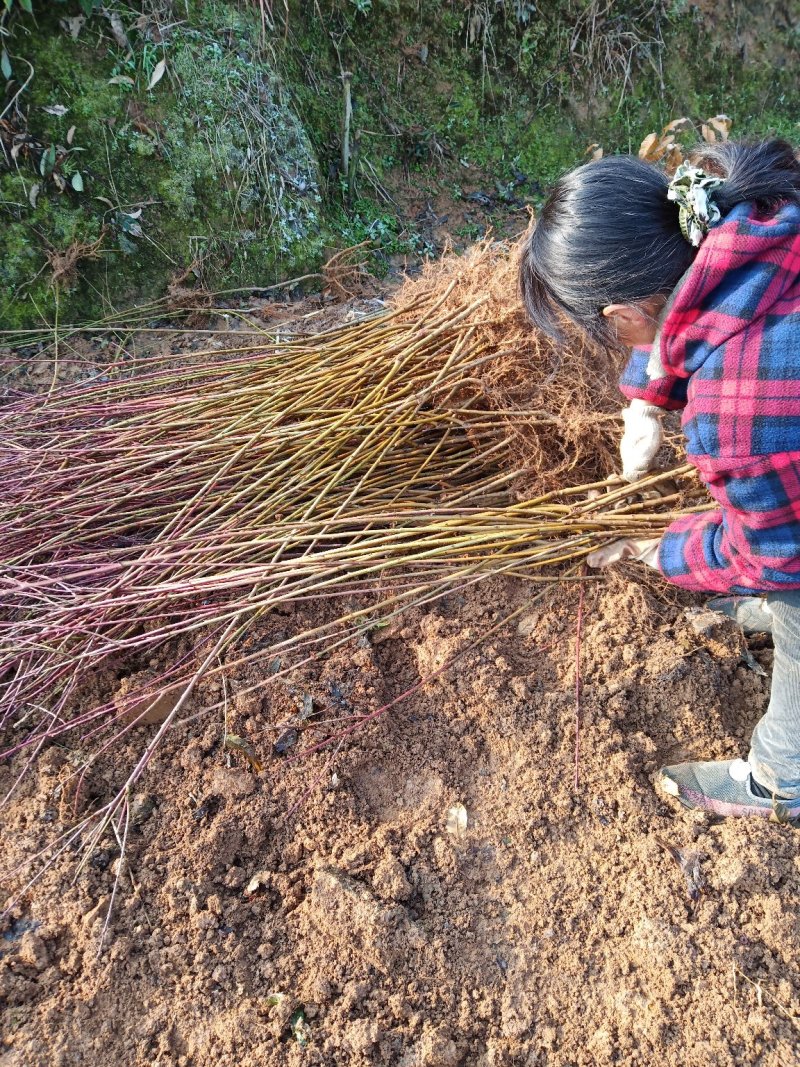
64, 264
187, 297
346, 275
559, 404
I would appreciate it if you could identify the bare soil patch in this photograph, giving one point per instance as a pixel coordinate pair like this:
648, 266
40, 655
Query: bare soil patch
357, 930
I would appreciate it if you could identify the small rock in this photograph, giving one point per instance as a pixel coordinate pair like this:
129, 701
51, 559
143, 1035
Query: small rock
204, 920
361, 1035
50, 762
437, 1049
389, 880
219, 975
192, 756
457, 821
247, 703
142, 807
704, 621
232, 783
519, 687
355, 922
548, 1037
287, 740
95, 909
721, 636
33, 951
321, 989
527, 624
260, 880
235, 878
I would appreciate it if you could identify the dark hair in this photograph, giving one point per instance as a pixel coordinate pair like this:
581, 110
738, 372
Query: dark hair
608, 234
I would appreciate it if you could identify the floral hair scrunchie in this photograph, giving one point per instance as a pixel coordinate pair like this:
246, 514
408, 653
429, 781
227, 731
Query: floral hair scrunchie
693, 190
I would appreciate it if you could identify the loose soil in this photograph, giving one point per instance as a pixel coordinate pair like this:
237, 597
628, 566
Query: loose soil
365, 927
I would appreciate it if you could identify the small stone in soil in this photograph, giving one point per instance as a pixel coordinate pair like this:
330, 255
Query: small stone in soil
142, 807
207, 808
286, 740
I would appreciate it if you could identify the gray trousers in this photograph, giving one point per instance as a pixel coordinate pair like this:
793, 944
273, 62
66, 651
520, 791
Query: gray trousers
775, 747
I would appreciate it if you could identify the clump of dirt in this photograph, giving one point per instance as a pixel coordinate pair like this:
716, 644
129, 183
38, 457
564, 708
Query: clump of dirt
365, 926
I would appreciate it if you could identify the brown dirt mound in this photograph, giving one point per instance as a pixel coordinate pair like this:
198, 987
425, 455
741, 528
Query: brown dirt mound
555, 929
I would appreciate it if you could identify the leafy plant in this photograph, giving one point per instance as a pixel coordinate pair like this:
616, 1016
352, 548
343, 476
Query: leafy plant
666, 146
88, 7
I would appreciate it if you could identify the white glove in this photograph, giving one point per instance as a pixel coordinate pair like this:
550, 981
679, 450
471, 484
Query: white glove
641, 440
645, 550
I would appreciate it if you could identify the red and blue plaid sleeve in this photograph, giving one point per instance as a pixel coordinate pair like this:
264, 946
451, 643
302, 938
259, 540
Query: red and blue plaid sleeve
668, 392
693, 555
752, 543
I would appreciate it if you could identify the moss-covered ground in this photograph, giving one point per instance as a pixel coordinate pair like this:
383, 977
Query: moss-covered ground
229, 166
209, 169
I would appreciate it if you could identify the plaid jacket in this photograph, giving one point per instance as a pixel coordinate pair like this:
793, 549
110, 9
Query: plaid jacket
730, 347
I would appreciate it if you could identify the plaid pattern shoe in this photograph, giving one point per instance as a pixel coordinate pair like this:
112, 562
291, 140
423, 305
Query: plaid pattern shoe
723, 787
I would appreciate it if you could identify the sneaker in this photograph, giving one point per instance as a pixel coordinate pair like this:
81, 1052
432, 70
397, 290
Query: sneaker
724, 787
751, 612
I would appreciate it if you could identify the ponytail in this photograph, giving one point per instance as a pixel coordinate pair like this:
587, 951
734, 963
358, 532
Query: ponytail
608, 234
765, 173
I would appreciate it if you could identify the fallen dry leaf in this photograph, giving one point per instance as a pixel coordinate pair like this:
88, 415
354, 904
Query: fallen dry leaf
457, 820
241, 744
648, 145
677, 126
722, 124
157, 74
117, 29
689, 863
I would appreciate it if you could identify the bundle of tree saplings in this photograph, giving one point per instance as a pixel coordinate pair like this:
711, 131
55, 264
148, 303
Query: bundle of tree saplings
178, 500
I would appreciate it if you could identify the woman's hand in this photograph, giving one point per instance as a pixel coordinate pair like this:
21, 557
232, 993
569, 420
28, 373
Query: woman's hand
641, 440
644, 550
